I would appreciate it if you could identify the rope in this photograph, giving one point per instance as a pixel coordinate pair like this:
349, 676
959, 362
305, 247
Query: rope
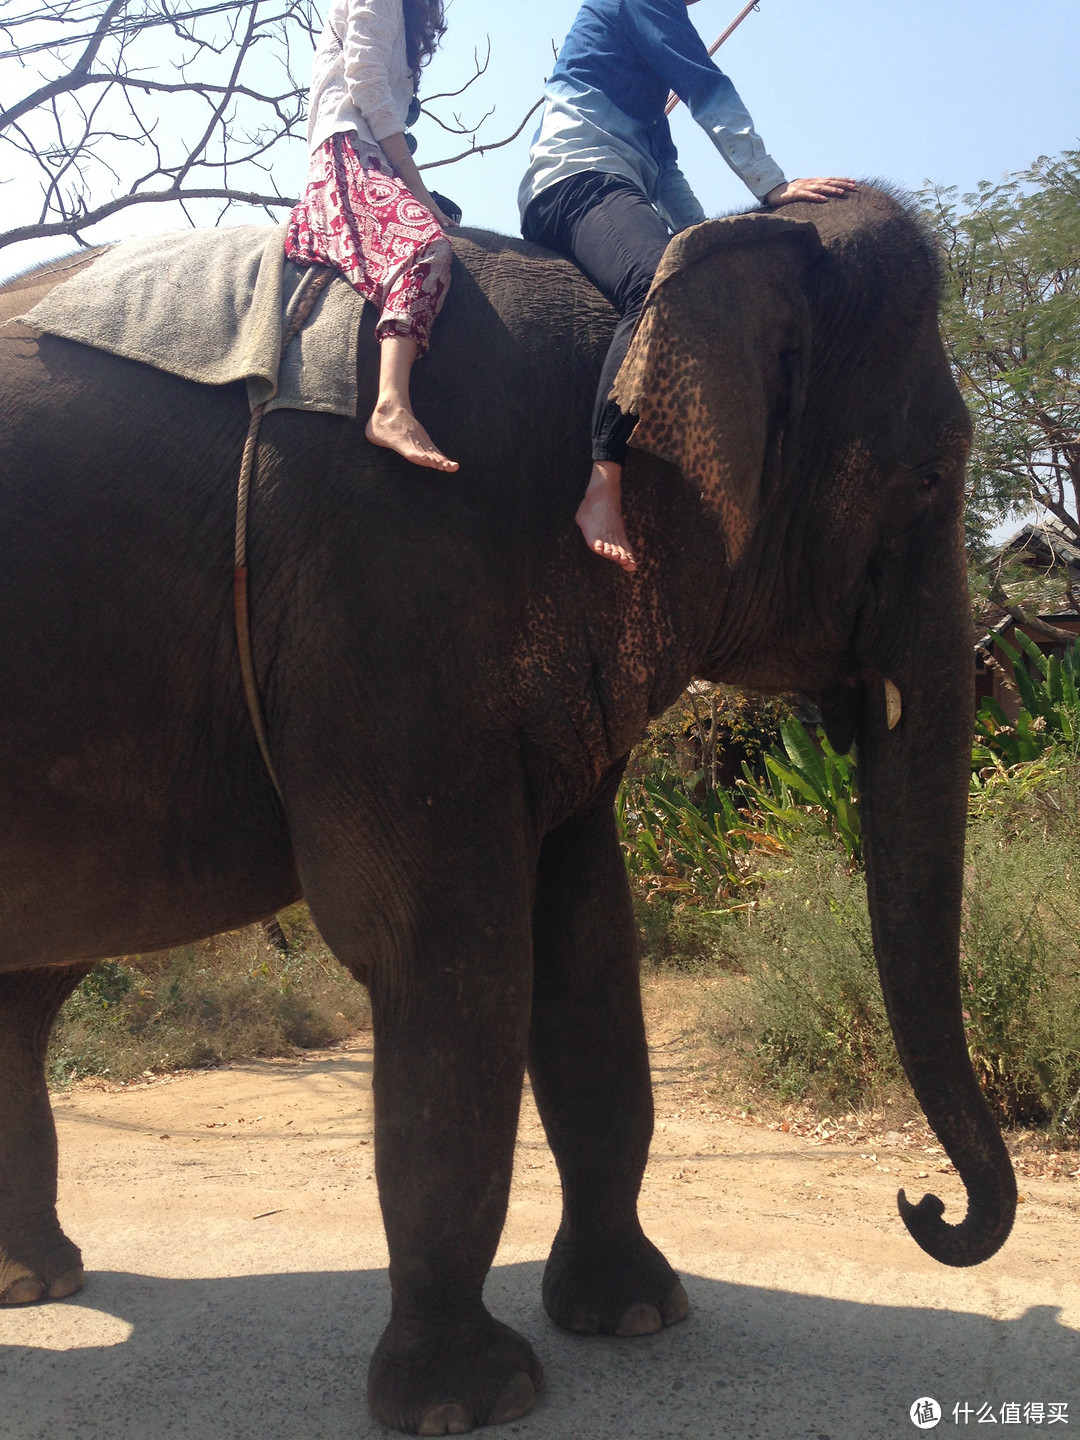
303, 302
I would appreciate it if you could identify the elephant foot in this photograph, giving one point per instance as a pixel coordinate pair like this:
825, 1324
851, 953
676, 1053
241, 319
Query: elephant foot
49, 1270
616, 1287
429, 1382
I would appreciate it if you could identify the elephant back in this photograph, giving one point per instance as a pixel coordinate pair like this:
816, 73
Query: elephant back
540, 303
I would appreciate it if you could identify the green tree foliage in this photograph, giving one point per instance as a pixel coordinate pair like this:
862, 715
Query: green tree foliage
1011, 321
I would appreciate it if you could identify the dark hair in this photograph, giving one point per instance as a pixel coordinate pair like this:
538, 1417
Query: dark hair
425, 26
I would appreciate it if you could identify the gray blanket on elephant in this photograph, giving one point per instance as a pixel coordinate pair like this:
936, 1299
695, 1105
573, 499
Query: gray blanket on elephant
212, 306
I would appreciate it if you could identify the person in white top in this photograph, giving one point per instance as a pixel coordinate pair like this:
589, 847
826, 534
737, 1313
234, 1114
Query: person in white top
366, 211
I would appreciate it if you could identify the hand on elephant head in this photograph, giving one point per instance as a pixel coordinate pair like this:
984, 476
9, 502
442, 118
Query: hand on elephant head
816, 191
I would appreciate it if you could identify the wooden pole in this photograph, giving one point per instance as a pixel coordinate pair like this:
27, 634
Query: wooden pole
673, 99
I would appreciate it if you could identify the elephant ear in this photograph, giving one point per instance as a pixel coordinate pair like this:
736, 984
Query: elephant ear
716, 369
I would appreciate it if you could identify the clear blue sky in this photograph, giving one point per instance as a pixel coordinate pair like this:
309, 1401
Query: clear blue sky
954, 91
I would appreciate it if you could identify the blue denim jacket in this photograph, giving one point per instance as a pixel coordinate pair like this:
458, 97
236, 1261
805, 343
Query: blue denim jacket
605, 102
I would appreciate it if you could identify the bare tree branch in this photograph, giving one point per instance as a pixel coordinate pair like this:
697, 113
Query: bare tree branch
160, 197
241, 55
475, 149
165, 102
480, 67
66, 13
458, 127
77, 76
206, 107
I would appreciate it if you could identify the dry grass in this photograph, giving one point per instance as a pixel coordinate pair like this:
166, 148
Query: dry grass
789, 999
231, 997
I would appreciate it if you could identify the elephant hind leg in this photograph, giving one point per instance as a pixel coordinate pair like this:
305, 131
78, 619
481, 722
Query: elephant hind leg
449, 955
37, 1260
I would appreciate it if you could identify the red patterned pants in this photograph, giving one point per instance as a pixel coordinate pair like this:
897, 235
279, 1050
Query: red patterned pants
359, 218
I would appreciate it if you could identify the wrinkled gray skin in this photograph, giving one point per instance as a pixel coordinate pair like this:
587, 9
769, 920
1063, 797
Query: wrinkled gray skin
452, 684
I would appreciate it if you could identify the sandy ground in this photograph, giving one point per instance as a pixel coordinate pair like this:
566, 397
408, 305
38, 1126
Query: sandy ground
237, 1285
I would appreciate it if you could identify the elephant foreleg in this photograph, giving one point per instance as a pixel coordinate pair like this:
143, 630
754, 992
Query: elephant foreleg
37, 1260
589, 1066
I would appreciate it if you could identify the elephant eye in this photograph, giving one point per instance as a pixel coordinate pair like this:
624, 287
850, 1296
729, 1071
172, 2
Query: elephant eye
930, 482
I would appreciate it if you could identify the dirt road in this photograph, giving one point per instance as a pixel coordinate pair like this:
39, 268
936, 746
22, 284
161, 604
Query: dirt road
237, 1284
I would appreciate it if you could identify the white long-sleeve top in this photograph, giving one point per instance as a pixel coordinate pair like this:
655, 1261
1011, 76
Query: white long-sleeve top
360, 76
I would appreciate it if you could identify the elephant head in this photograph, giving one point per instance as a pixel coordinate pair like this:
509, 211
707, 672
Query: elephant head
791, 367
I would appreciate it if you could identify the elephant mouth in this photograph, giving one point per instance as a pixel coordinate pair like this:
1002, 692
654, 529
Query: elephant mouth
841, 705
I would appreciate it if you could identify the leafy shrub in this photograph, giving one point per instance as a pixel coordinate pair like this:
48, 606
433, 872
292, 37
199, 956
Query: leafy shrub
695, 844
811, 1020
1015, 794
696, 853
703, 740
692, 939
1049, 690
1020, 974
228, 998
818, 777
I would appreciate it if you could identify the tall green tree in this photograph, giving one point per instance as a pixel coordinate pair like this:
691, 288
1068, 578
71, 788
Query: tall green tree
1011, 321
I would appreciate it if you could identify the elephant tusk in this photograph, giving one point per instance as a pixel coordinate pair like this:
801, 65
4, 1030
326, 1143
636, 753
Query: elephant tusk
893, 706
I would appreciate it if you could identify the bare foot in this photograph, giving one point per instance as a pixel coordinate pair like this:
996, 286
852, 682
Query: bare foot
396, 428
599, 516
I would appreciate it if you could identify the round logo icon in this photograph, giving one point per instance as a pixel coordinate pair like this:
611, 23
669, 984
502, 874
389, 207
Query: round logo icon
925, 1413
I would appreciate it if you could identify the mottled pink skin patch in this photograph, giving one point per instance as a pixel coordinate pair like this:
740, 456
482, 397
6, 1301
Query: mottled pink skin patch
851, 489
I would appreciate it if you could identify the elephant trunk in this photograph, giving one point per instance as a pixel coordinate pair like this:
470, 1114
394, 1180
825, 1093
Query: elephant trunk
914, 769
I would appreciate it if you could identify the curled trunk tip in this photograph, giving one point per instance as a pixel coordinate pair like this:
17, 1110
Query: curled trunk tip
980, 1234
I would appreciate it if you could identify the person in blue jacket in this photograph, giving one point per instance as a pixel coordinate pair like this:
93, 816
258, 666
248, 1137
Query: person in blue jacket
604, 187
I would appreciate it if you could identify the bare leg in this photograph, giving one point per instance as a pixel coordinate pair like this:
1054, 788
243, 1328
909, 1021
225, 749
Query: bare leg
590, 1072
600, 518
393, 424
37, 1260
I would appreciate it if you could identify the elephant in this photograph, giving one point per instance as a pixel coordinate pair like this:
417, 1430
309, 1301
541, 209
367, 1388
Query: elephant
452, 685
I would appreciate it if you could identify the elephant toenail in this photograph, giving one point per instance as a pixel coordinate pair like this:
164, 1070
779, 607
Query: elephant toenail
68, 1283
677, 1305
24, 1291
516, 1400
446, 1420
585, 1322
640, 1319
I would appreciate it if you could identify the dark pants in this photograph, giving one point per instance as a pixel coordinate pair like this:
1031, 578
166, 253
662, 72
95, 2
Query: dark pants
611, 232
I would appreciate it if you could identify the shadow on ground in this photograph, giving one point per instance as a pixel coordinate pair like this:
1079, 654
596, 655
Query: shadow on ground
284, 1357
